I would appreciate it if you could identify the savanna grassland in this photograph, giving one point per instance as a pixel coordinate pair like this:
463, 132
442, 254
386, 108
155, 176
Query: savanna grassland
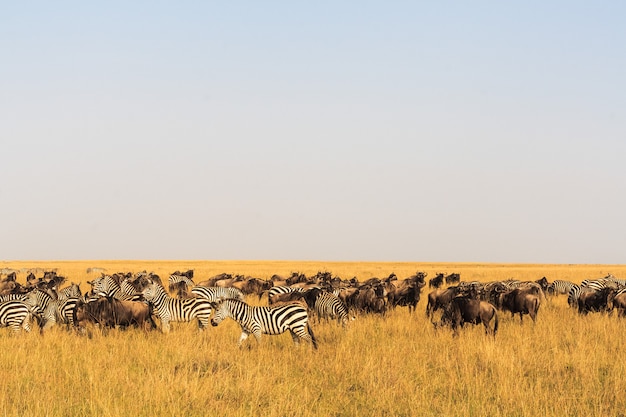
399, 365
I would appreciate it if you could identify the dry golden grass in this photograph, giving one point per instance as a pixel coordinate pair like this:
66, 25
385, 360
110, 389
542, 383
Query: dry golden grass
564, 365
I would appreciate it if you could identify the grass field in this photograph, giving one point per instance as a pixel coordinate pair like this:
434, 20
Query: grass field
564, 365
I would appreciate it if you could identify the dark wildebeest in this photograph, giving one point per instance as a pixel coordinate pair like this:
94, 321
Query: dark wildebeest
601, 300
453, 278
440, 299
436, 282
463, 310
619, 302
543, 283
111, 312
369, 299
520, 301
406, 292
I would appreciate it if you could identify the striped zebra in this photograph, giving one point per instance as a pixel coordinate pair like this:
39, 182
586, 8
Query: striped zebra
44, 305
16, 315
217, 293
11, 297
106, 286
574, 294
560, 287
71, 291
274, 292
65, 311
180, 284
170, 309
175, 279
327, 305
266, 320
598, 284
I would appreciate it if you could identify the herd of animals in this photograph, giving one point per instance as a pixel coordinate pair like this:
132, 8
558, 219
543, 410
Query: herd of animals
141, 300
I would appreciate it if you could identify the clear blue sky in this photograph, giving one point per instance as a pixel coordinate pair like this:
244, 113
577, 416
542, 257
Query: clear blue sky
382, 131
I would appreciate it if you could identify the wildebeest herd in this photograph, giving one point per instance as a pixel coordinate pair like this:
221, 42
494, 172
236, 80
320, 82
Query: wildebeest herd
141, 300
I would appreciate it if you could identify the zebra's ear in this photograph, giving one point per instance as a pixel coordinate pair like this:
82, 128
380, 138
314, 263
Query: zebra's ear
214, 304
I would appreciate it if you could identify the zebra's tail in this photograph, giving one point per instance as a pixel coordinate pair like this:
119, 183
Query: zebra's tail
313, 339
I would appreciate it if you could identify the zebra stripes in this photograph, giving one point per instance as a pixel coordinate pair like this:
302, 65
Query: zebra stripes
560, 287
175, 279
44, 305
16, 315
266, 320
106, 286
217, 293
274, 292
175, 309
327, 305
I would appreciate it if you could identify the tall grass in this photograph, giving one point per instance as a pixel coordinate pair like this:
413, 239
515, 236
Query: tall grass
397, 365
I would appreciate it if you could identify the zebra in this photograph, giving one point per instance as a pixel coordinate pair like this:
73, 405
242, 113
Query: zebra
44, 305
65, 311
16, 315
574, 294
217, 293
279, 290
170, 309
560, 287
12, 297
327, 305
181, 284
106, 286
266, 320
73, 290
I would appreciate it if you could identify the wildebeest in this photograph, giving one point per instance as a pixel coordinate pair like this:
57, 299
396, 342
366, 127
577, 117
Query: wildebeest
111, 312
543, 283
369, 299
406, 292
440, 298
601, 300
522, 301
463, 310
453, 278
436, 282
619, 303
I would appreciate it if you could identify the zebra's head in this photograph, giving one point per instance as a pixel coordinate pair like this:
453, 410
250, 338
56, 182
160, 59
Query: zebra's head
220, 312
152, 290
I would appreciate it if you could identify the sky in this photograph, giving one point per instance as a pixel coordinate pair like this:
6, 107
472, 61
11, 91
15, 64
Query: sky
334, 131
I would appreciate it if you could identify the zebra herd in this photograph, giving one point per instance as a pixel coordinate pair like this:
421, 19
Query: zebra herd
291, 301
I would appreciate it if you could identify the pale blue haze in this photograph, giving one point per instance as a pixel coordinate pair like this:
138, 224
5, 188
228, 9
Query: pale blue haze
382, 131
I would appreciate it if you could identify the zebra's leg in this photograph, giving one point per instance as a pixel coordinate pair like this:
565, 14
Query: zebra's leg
295, 337
244, 336
26, 323
165, 325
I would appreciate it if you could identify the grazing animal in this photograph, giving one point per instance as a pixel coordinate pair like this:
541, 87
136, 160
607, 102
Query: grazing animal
275, 292
107, 286
216, 293
170, 309
16, 315
44, 305
599, 300
560, 287
619, 303
436, 282
406, 292
180, 284
326, 305
111, 312
265, 320
453, 278
440, 299
520, 301
463, 310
